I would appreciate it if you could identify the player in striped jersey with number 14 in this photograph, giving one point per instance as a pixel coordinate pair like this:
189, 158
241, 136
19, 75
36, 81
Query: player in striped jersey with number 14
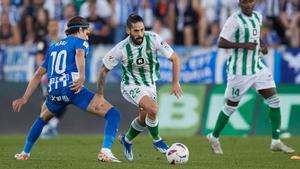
138, 56
241, 36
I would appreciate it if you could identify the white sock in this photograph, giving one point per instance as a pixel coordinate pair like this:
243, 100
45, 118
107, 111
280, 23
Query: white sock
126, 139
213, 137
25, 153
275, 141
154, 141
105, 150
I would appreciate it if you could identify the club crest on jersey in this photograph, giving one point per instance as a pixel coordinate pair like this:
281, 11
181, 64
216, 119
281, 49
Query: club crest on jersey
140, 61
85, 44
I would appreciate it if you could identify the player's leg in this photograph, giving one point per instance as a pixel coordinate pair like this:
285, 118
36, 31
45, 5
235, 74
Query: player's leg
273, 102
50, 129
265, 85
35, 132
237, 86
136, 127
228, 109
84, 100
150, 107
132, 94
112, 117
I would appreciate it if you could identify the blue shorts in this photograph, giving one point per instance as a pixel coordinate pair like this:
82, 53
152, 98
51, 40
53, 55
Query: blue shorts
58, 99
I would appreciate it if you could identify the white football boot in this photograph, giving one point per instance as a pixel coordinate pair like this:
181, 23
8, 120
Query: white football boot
279, 146
106, 155
215, 144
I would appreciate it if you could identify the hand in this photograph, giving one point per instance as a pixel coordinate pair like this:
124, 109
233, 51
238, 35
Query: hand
250, 45
264, 50
176, 90
77, 85
18, 104
97, 102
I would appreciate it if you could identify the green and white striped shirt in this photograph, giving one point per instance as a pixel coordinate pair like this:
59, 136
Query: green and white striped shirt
240, 28
139, 63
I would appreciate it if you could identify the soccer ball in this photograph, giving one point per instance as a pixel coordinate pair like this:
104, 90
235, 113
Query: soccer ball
178, 153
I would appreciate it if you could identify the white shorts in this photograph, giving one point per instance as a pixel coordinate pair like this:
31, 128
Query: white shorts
238, 85
134, 93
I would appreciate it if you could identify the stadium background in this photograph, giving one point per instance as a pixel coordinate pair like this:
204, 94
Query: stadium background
193, 34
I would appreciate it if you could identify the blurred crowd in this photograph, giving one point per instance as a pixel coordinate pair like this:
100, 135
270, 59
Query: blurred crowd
179, 22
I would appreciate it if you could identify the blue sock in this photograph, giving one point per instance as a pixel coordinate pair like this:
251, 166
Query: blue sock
34, 133
111, 127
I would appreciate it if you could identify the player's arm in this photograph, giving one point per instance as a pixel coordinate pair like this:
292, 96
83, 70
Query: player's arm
32, 85
228, 36
98, 100
167, 51
110, 60
263, 47
226, 44
80, 63
101, 80
176, 88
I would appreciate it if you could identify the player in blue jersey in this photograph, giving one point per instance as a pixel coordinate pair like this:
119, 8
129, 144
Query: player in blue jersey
65, 68
43, 43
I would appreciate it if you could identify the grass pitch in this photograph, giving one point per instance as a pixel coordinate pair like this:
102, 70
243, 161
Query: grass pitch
80, 152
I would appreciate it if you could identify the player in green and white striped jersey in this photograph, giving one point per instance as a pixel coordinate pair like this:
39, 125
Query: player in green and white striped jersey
138, 56
241, 36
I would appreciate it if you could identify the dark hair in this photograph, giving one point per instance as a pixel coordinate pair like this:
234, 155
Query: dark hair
133, 18
75, 24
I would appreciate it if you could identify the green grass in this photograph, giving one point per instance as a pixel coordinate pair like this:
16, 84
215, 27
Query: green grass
80, 151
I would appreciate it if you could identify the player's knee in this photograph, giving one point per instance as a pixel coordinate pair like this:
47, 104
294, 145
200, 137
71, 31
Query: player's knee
152, 111
229, 110
46, 116
273, 101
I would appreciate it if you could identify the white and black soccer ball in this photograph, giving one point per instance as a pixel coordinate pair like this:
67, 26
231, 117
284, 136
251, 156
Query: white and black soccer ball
178, 153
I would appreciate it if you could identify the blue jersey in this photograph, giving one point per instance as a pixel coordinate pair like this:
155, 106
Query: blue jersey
60, 62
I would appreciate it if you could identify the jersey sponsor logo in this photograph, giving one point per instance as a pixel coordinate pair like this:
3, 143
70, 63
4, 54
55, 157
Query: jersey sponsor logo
59, 98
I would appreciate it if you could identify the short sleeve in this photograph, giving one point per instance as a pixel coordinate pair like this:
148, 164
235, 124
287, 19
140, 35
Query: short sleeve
229, 29
82, 44
163, 47
113, 57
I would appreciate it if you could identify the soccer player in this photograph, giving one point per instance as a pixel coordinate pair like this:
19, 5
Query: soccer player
43, 43
241, 36
138, 56
65, 68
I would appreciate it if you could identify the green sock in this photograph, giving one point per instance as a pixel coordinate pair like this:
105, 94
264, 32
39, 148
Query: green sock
152, 126
154, 132
134, 130
221, 122
275, 118
132, 133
